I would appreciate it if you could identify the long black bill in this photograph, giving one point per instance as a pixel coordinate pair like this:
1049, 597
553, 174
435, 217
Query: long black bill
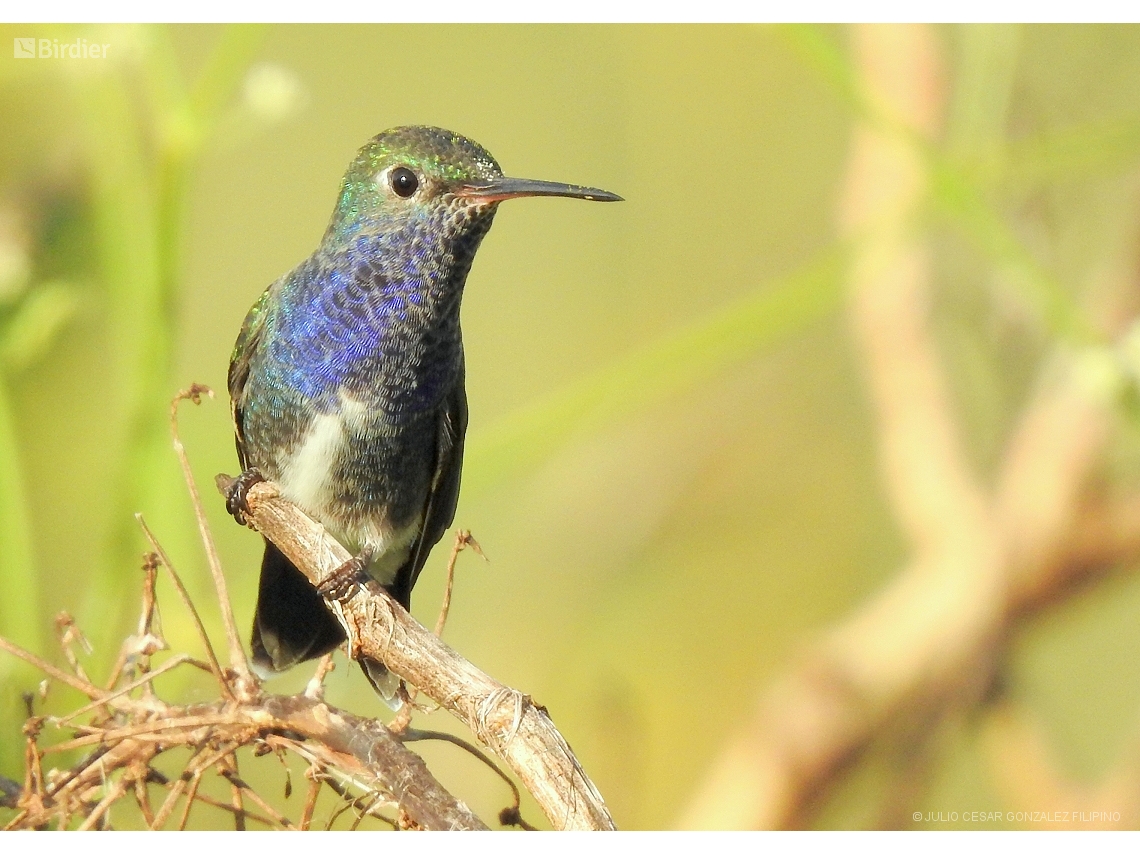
501, 189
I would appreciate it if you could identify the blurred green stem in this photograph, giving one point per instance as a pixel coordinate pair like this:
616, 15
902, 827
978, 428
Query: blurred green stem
140, 202
20, 603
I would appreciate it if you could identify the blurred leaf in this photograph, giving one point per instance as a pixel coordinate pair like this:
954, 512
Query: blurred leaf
955, 196
1074, 153
36, 322
820, 52
983, 86
665, 368
14, 271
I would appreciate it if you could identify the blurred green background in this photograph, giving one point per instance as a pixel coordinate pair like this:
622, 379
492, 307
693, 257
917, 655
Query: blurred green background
672, 461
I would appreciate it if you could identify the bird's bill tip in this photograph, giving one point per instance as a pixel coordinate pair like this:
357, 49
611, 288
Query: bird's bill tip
501, 189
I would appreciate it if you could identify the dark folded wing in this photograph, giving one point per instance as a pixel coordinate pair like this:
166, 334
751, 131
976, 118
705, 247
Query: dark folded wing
444, 494
247, 345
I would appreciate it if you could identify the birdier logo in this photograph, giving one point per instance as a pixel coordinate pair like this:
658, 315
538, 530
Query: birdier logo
54, 49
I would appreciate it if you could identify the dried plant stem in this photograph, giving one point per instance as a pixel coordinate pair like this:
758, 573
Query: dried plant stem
184, 595
363, 750
463, 539
236, 799
246, 683
144, 680
79, 685
315, 777
278, 817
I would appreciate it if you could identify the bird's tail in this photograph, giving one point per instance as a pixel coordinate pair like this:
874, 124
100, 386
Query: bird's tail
385, 683
292, 622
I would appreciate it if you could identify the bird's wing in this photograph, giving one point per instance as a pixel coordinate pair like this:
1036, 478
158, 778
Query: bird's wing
247, 345
444, 494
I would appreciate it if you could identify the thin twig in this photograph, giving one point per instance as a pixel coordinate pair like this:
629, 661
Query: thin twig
118, 789
117, 668
142, 797
200, 761
242, 811
246, 681
184, 595
346, 796
231, 763
70, 634
315, 776
127, 650
146, 622
315, 688
86, 688
403, 718
348, 802
279, 818
514, 812
366, 811
175, 790
366, 753
144, 680
165, 728
191, 793
463, 539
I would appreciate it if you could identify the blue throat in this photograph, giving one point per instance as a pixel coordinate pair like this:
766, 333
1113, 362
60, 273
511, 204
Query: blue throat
375, 314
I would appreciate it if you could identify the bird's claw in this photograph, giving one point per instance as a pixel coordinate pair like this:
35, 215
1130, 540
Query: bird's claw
339, 584
238, 492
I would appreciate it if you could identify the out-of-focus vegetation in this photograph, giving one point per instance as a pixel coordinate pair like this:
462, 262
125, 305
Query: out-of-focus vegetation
672, 460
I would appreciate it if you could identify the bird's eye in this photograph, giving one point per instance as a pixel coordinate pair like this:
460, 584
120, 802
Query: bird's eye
404, 182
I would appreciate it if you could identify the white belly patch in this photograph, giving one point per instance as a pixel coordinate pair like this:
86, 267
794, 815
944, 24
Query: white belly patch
306, 474
306, 480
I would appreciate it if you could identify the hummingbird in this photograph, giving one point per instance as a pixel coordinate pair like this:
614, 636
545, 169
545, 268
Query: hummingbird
347, 378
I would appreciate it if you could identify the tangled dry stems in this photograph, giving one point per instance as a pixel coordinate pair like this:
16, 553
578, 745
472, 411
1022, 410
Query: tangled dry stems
365, 764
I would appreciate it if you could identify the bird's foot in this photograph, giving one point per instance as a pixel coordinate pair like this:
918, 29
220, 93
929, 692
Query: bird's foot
238, 491
339, 585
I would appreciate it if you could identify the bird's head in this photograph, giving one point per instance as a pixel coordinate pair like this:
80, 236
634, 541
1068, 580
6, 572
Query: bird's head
430, 178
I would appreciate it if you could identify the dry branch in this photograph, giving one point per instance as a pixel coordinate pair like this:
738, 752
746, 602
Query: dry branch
504, 719
131, 726
361, 751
